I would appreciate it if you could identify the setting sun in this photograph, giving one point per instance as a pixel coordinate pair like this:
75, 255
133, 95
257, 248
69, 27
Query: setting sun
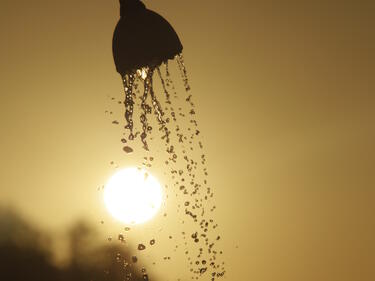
133, 196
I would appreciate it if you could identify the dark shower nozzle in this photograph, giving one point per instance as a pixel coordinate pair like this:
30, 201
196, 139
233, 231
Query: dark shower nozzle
142, 38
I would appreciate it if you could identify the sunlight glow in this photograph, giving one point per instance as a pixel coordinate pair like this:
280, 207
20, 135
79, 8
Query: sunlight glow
133, 196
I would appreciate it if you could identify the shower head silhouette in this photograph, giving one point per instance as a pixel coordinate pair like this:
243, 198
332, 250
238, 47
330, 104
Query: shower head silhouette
142, 38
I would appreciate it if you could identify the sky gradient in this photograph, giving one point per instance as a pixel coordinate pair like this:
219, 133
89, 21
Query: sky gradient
285, 101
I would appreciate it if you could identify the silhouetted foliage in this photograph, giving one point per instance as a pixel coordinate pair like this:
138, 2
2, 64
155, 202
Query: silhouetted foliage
25, 255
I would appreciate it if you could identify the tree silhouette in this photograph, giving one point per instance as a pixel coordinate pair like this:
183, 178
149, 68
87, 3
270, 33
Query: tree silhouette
25, 255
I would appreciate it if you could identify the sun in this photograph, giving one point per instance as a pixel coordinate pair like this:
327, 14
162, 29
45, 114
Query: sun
133, 196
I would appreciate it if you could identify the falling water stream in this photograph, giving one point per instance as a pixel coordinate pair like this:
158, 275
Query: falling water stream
188, 173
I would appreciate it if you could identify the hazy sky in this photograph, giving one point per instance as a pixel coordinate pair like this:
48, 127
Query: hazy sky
285, 100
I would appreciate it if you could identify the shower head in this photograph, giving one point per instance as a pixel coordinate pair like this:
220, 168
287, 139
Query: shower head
142, 38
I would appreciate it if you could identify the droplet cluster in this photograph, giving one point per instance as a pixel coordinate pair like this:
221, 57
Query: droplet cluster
184, 160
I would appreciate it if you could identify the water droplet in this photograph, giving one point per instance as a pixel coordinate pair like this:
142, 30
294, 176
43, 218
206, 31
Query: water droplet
128, 149
203, 270
121, 238
141, 247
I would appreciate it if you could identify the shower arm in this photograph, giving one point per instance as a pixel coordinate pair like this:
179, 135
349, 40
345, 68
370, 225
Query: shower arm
130, 6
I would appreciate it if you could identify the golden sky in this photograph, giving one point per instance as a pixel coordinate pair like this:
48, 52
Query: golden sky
285, 100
